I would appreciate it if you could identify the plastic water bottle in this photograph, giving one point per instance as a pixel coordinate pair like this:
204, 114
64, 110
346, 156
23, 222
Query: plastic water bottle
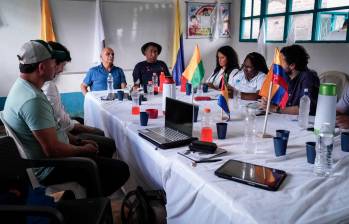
249, 141
110, 86
150, 89
237, 95
206, 129
155, 79
155, 83
324, 147
110, 83
304, 108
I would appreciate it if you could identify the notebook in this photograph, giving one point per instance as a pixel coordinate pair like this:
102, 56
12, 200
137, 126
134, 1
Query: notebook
178, 126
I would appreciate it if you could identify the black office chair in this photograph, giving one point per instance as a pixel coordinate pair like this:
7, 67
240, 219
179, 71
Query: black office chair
13, 169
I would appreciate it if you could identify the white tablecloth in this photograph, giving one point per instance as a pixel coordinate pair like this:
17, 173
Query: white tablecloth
196, 195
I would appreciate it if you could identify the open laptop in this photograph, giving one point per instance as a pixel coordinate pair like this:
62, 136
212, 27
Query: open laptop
178, 126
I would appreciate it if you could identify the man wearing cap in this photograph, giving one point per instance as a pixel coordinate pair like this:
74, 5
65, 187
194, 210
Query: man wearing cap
143, 71
106, 146
96, 77
30, 115
342, 108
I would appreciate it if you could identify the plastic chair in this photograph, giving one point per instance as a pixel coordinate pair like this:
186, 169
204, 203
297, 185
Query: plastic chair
339, 78
13, 170
76, 188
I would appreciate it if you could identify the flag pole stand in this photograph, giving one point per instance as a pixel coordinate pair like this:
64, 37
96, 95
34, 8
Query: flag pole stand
263, 134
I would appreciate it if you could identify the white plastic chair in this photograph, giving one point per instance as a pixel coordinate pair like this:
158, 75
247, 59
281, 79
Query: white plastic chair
339, 78
76, 188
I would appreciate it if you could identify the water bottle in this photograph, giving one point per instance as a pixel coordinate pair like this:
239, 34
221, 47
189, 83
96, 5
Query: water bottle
110, 86
304, 108
206, 129
155, 83
249, 141
150, 89
324, 147
155, 79
236, 95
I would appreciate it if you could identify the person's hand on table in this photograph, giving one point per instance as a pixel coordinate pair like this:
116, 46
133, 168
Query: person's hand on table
342, 121
263, 105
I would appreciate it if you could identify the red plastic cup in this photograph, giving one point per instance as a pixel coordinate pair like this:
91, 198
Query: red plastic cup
153, 113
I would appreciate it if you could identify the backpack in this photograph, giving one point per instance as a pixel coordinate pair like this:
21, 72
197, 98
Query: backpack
146, 207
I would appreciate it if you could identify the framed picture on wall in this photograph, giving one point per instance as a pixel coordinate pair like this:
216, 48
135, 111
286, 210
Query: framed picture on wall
205, 20
199, 19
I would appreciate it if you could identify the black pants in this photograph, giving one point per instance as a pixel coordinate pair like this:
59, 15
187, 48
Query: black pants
106, 146
113, 174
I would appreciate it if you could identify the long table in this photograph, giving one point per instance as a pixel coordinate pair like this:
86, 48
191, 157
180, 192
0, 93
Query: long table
196, 195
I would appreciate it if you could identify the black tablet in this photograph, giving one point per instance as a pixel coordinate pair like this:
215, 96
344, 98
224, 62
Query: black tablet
255, 175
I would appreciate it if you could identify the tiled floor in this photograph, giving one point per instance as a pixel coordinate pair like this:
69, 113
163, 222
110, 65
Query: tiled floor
116, 202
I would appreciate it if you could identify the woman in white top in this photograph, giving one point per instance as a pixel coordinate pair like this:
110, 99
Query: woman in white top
226, 63
250, 79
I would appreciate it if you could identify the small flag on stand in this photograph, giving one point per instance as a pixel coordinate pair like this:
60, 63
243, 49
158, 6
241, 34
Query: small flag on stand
277, 75
195, 71
223, 98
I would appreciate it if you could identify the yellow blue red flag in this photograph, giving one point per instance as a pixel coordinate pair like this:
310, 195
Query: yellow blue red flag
47, 33
277, 75
177, 51
223, 98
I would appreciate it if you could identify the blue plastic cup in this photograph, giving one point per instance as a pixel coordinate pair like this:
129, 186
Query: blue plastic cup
120, 95
311, 152
221, 130
280, 145
196, 112
283, 134
188, 89
345, 141
144, 118
205, 88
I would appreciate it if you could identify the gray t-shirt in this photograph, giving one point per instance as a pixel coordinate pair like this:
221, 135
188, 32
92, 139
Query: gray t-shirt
343, 103
27, 109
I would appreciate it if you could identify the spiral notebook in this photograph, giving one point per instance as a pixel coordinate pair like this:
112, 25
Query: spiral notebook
199, 156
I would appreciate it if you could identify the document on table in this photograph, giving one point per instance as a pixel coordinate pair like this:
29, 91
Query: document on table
199, 156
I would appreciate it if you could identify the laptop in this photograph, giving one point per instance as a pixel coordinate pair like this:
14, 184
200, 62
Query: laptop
178, 126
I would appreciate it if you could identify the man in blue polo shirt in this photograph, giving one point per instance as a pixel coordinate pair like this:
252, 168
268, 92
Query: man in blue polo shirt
96, 77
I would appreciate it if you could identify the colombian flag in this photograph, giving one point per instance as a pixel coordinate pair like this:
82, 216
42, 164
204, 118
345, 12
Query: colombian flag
177, 51
223, 99
279, 93
195, 71
47, 33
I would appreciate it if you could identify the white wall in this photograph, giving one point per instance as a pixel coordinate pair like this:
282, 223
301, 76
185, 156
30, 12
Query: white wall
19, 22
74, 26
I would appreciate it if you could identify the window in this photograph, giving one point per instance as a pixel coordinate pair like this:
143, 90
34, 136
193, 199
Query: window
308, 20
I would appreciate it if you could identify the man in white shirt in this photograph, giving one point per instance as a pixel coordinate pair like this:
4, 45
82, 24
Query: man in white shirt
83, 132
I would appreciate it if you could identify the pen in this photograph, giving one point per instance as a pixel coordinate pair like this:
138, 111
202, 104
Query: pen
208, 161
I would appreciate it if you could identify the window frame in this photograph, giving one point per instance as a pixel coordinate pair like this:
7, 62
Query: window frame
287, 14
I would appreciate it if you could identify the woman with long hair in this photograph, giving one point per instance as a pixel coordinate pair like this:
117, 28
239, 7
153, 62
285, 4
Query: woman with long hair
227, 63
250, 79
